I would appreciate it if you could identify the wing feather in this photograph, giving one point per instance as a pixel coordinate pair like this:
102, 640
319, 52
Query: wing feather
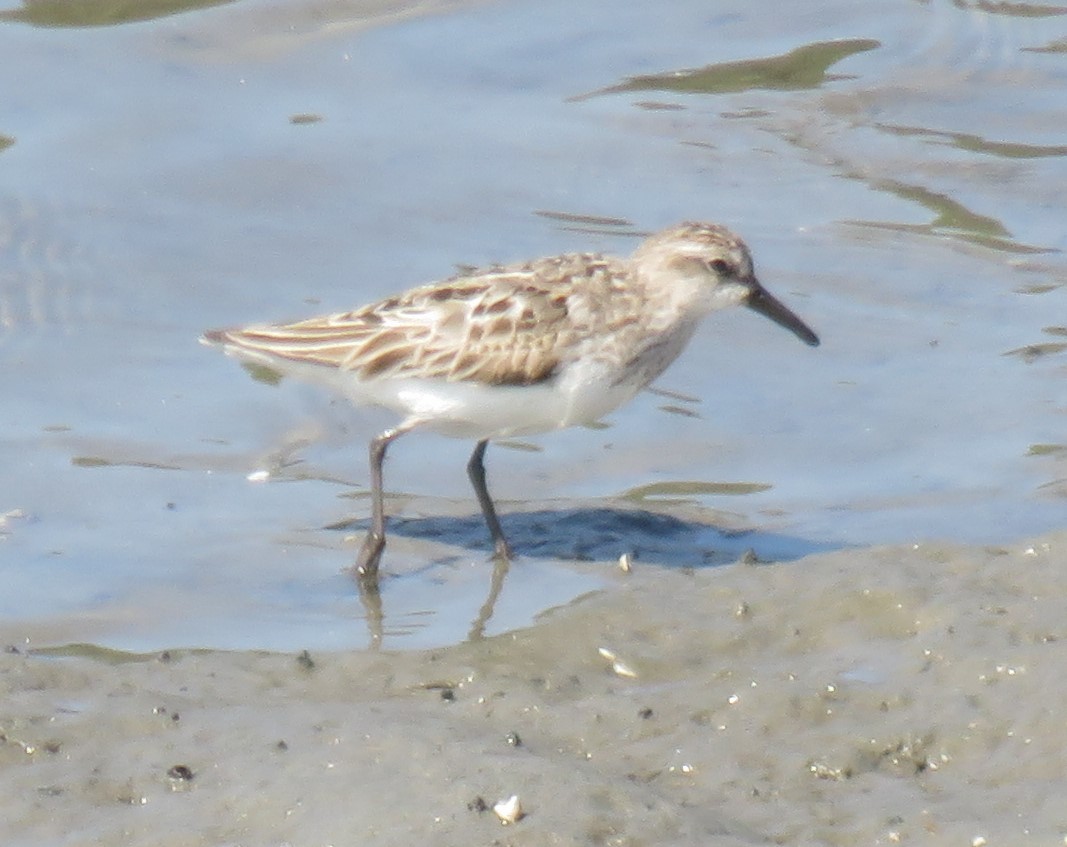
503, 326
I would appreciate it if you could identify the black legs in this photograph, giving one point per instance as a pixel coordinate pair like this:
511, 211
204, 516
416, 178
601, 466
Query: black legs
370, 553
476, 472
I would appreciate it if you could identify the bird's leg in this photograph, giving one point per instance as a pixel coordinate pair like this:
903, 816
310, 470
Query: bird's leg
370, 553
476, 472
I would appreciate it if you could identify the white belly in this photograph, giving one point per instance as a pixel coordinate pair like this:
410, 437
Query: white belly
581, 395
472, 410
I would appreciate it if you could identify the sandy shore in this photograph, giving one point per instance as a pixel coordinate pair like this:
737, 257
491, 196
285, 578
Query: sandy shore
881, 696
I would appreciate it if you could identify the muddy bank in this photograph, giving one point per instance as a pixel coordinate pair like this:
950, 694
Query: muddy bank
888, 695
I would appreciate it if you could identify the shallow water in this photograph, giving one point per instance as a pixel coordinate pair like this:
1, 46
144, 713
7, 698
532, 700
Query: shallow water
898, 171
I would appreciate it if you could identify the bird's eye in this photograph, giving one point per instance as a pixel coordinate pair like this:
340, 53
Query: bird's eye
721, 267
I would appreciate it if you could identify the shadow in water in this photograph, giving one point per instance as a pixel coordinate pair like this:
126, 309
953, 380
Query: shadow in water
605, 533
582, 534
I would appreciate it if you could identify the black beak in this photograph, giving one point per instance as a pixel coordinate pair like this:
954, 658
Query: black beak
761, 301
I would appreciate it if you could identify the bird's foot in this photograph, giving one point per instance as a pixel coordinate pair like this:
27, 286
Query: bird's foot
502, 550
370, 555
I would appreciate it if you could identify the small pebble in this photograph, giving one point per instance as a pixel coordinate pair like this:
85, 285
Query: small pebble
182, 772
618, 665
510, 810
623, 669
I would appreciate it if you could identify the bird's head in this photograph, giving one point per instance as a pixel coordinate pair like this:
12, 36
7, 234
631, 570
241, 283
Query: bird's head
716, 266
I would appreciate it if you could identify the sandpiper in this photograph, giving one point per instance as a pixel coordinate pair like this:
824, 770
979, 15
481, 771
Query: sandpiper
517, 349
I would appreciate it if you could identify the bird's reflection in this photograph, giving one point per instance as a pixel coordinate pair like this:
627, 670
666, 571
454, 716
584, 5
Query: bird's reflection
370, 595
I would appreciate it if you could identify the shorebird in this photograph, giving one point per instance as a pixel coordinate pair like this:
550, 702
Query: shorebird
517, 349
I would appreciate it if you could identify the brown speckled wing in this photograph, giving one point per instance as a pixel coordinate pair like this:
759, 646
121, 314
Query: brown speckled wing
500, 327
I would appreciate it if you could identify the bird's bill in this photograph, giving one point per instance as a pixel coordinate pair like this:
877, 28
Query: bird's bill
763, 302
